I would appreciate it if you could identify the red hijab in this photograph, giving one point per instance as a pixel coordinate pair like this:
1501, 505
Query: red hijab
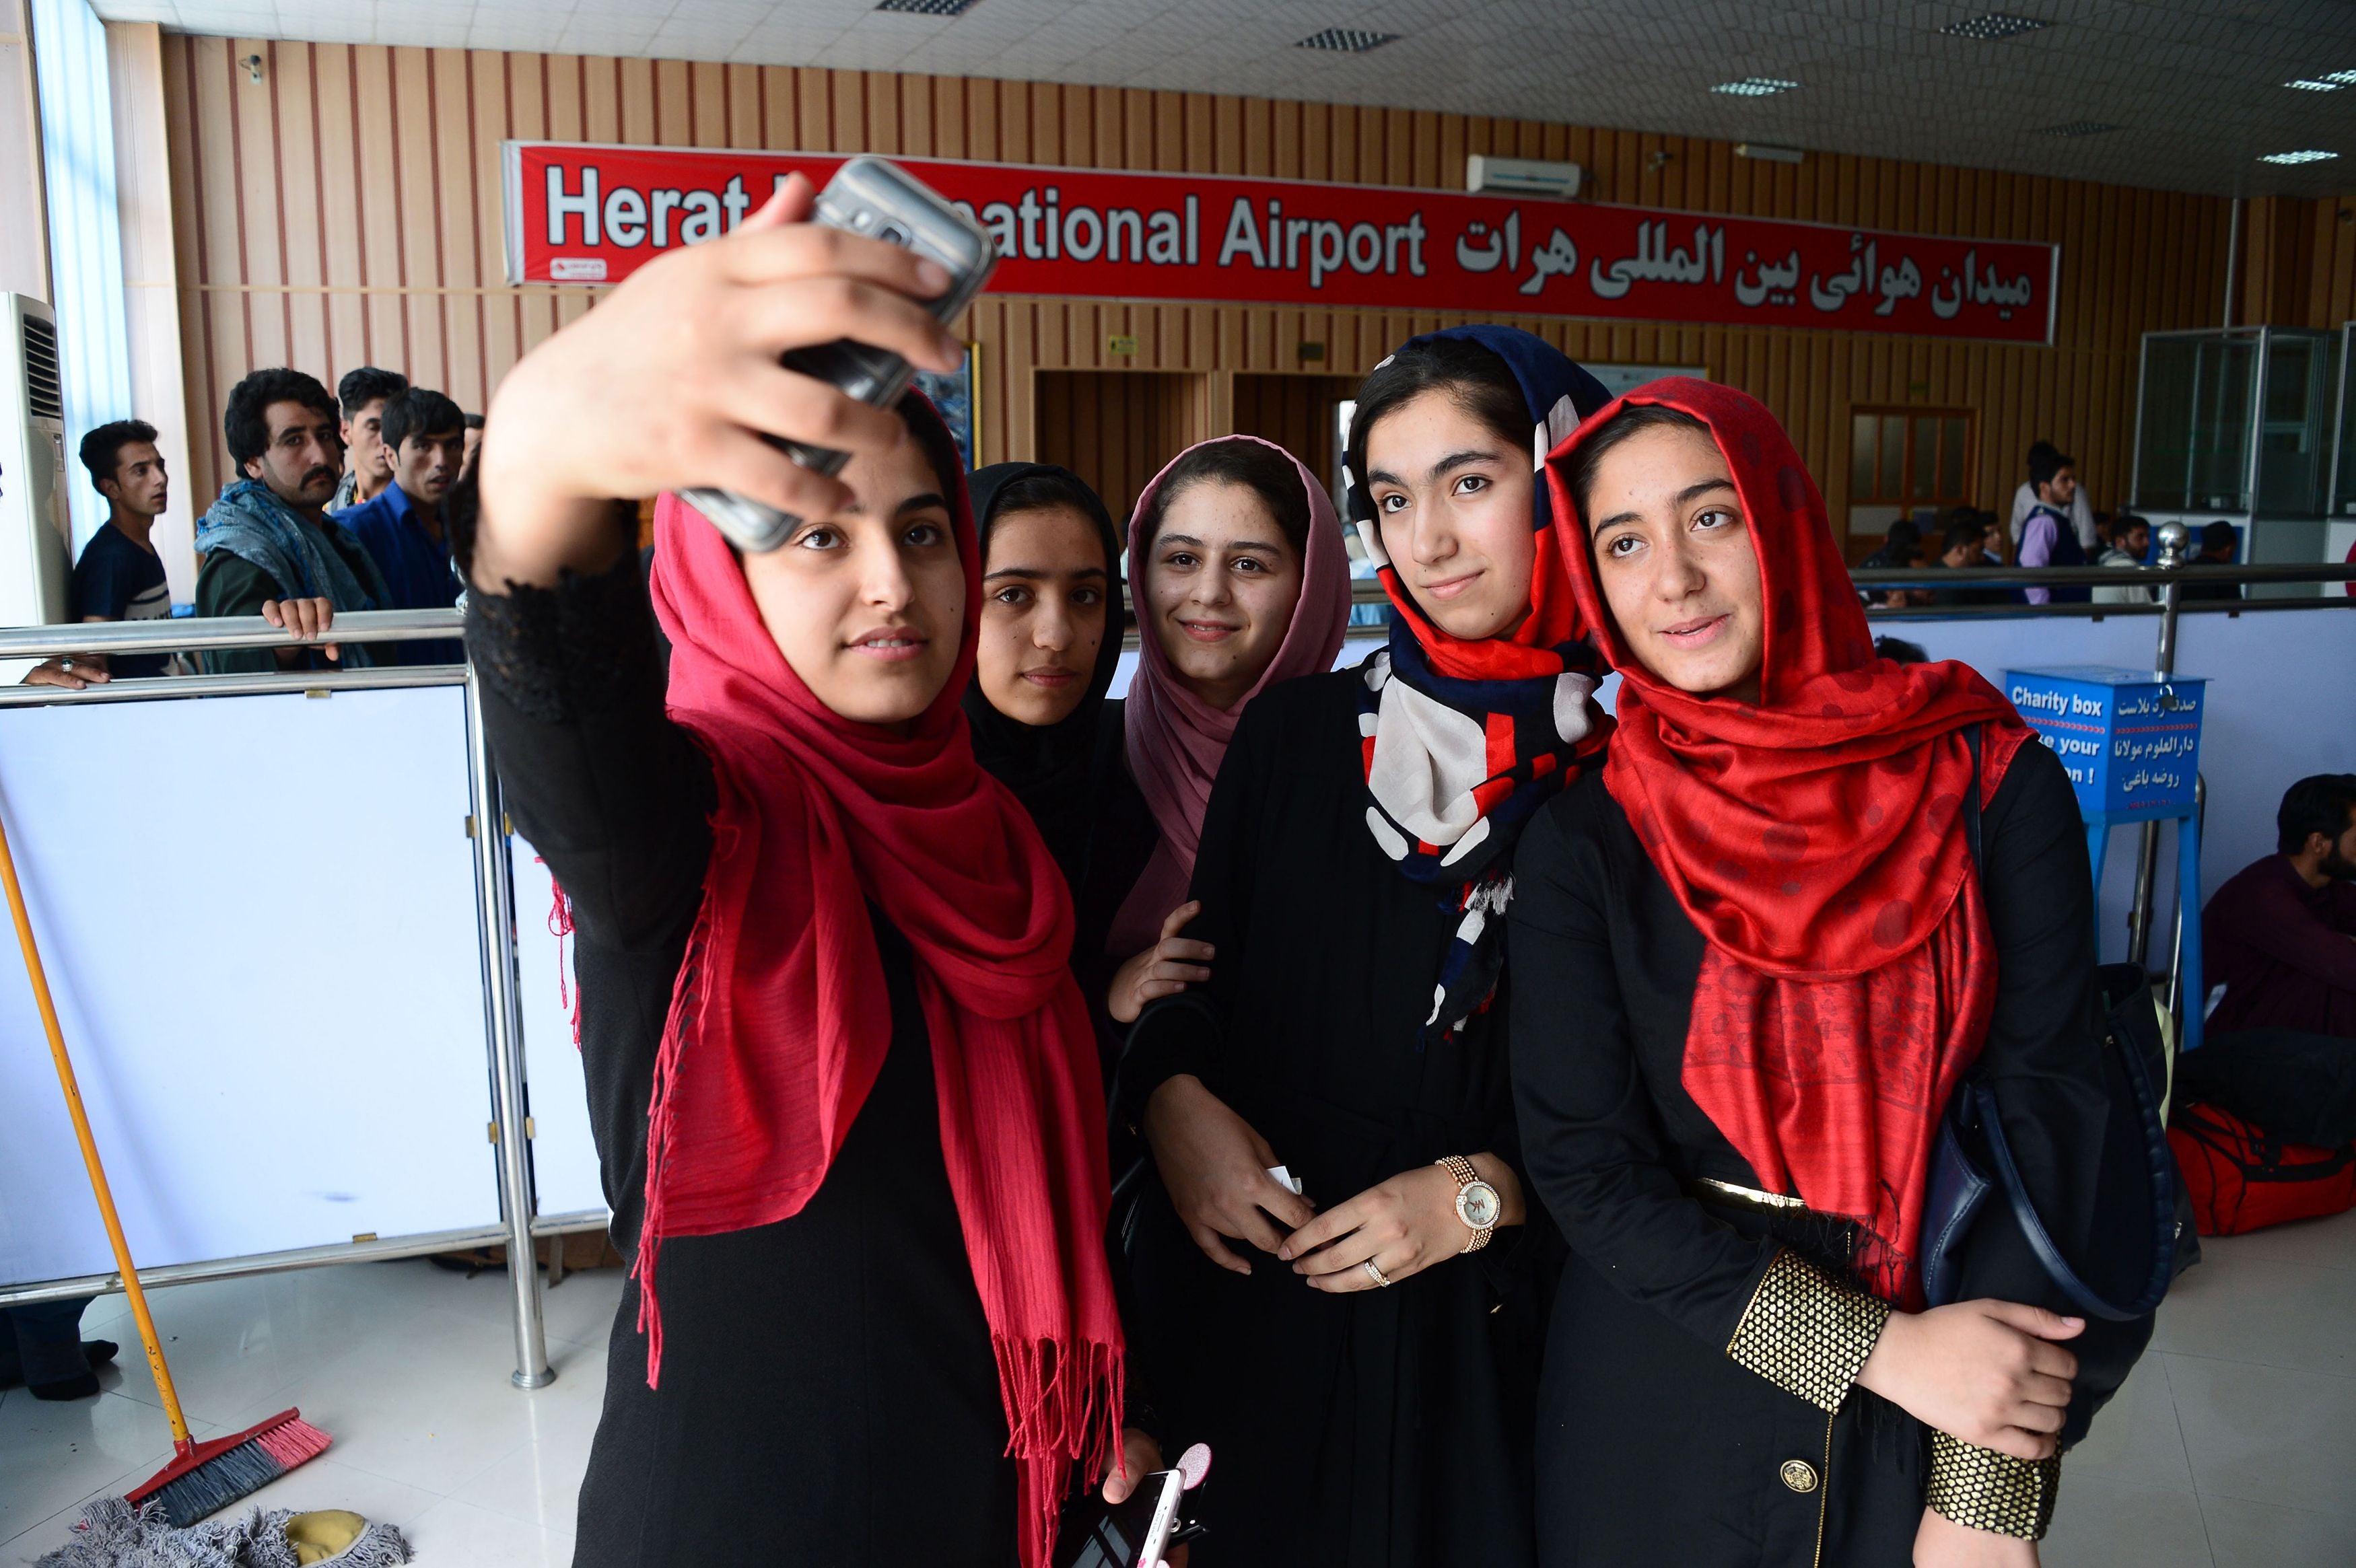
780, 1020
1815, 840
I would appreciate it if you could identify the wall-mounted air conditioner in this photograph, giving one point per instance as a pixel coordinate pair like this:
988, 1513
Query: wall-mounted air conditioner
1521, 176
34, 553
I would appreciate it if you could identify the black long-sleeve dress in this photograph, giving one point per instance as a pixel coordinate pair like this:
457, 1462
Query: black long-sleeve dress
829, 1395
1678, 1424
1381, 1427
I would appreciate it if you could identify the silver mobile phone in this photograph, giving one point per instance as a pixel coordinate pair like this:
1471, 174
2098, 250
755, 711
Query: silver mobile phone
872, 196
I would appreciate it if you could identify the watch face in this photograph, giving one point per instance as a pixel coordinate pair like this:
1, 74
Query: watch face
1476, 1205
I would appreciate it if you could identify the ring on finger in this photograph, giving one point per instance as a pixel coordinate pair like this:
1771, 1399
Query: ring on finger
1374, 1272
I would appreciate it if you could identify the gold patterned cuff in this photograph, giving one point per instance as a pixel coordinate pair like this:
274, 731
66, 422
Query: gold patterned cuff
1805, 1334
1980, 1488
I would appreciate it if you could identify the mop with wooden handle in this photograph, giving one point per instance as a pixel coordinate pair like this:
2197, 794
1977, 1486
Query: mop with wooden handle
203, 1477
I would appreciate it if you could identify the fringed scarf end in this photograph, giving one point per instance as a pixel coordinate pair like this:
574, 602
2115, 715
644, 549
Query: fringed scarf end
1070, 1414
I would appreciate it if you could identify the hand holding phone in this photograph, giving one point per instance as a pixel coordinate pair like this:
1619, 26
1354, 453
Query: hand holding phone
675, 379
873, 197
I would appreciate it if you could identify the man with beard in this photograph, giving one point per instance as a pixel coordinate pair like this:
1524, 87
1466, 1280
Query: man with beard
402, 529
269, 547
2281, 935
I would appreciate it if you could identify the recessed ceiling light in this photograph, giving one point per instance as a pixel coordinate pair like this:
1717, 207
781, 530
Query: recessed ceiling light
2078, 128
1755, 87
2342, 79
2306, 85
1993, 24
928, 7
2306, 156
1346, 40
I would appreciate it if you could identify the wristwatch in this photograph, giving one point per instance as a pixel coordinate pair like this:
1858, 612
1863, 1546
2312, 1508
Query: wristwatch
1477, 1203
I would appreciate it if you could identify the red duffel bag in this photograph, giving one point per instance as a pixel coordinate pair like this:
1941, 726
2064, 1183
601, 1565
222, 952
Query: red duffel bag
2240, 1179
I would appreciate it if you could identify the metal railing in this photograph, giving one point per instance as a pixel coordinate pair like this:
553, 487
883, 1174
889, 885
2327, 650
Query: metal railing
509, 1123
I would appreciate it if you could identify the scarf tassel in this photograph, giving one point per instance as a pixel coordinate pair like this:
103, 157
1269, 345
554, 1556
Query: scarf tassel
686, 1016
1071, 1405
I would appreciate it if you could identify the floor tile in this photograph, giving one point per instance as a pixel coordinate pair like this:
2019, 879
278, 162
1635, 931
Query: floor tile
2252, 1308
2134, 1441
2329, 1242
453, 1534
540, 1482
53, 1453
326, 1482
2258, 1535
232, 1343
2266, 1435
2099, 1523
426, 1401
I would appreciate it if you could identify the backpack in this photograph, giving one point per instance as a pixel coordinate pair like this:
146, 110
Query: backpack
2239, 1178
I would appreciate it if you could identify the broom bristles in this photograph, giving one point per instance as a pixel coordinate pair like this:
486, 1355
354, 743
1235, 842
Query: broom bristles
251, 1462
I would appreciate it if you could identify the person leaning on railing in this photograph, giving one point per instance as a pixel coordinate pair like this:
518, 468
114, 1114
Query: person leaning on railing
269, 547
118, 577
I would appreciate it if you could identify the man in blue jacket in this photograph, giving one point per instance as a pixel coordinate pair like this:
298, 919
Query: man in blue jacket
404, 528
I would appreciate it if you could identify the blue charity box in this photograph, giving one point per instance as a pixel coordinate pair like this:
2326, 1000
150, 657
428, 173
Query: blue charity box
2129, 738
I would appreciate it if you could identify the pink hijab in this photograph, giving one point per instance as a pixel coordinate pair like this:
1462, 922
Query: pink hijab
1176, 740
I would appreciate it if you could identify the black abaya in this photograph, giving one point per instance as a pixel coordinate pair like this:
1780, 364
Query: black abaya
1655, 1443
1376, 1429
829, 1395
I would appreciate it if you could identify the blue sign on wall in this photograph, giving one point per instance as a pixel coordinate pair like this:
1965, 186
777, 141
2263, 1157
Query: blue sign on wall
2130, 739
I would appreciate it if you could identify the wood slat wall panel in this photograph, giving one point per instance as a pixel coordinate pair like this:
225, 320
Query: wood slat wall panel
348, 210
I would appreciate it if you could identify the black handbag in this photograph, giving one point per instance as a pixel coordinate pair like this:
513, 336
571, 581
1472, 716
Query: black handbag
1974, 1159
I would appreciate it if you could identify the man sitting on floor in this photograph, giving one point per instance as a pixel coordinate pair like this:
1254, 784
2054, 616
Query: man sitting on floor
2281, 935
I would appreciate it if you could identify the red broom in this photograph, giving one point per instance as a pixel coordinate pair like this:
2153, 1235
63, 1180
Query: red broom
203, 1477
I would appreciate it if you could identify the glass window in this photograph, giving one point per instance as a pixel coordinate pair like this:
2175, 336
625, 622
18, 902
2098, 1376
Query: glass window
1955, 435
1893, 457
1861, 456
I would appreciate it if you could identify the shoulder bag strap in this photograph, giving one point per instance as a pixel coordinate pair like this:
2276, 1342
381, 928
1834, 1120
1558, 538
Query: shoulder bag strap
2160, 1164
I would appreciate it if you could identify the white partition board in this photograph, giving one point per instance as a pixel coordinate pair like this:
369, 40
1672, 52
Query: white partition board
258, 918
563, 1158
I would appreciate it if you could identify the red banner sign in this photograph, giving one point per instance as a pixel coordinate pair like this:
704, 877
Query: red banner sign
586, 214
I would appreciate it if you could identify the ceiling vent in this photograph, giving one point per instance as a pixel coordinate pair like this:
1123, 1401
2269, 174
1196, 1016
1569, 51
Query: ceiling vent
1346, 40
2078, 128
1992, 26
927, 7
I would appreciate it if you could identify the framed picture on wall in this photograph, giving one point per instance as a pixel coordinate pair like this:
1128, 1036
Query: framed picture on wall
952, 394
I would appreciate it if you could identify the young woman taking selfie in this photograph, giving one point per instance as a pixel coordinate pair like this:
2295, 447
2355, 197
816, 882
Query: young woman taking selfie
1240, 581
1753, 959
842, 1084
1363, 1358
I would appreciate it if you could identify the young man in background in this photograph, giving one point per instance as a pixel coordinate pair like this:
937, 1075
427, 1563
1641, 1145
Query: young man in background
402, 529
363, 394
2047, 536
120, 577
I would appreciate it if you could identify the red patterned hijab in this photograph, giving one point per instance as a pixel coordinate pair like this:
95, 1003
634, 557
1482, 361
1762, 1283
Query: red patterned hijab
1815, 841
780, 1020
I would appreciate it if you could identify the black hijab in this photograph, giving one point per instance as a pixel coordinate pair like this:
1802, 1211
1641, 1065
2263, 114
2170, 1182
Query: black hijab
1050, 768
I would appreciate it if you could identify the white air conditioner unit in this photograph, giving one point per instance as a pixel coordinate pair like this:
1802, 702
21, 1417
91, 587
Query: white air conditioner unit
1522, 176
36, 557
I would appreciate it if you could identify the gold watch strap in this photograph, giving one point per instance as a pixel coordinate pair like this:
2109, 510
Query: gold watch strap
1457, 1166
